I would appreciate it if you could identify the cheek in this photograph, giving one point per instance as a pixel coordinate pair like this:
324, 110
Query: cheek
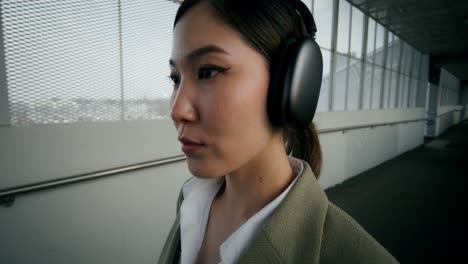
237, 127
240, 105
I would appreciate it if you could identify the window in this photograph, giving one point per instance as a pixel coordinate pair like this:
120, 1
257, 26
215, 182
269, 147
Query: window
377, 87
396, 52
405, 90
371, 40
379, 45
323, 103
423, 76
366, 100
343, 27
414, 90
323, 11
387, 88
416, 64
406, 59
390, 50
98, 62
71, 75
341, 71
354, 80
393, 89
357, 32
401, 90
146, 47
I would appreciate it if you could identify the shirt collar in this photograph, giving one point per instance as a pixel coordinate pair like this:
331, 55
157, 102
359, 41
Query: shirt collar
198, 196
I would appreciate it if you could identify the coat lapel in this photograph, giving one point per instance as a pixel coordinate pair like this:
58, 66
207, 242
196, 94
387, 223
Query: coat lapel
171, 248
293, 233
172, 243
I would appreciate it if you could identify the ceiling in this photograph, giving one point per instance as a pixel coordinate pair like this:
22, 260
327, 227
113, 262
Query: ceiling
435, 27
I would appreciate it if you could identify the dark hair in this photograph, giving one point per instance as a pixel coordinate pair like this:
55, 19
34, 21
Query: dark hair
264, 24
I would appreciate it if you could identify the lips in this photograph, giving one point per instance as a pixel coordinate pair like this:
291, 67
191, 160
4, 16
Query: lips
190, 146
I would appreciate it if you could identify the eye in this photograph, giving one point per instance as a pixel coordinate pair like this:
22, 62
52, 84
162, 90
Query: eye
209, 72
175, 79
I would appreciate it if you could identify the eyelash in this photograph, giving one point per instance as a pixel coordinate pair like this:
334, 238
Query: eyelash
210, 68
175, 78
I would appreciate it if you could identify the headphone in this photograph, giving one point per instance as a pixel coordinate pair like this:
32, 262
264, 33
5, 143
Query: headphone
296, 77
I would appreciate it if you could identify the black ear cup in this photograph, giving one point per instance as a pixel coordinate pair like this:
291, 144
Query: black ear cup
295, 79
301, 87
277, 83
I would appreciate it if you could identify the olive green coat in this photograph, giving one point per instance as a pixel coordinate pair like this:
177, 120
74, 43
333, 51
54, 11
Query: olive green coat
305, 228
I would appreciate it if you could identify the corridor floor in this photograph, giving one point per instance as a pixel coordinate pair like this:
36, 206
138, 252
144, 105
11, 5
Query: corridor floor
415, 204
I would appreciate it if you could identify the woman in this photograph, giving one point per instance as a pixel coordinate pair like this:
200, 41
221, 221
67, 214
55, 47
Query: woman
249, 202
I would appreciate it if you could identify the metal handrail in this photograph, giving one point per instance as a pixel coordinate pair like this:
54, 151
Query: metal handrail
7, 196
449, 112
331, 130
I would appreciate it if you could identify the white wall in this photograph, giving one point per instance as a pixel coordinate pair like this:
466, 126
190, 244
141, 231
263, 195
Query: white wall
347, 153
447, 116
46, 152
119, 219
445, 104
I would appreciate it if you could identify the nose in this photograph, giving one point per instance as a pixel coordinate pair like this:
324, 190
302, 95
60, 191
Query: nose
183, 105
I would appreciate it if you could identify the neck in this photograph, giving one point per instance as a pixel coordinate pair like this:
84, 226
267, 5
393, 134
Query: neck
257, 183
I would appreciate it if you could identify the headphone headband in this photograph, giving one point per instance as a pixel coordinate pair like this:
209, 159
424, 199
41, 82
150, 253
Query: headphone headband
306, 16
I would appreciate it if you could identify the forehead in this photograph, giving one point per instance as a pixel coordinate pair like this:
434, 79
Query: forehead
199, 27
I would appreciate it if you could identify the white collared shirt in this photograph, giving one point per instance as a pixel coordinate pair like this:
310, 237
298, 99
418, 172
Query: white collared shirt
194, 211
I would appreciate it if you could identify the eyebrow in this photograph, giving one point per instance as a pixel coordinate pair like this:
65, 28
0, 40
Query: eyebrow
193, 55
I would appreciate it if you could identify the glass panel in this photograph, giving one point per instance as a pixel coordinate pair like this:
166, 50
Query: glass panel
145, 65
416, 64
367, 86
396, 53
414, 90
393, 88
421, 94
424, 68
405, 90
370, 40
379, 45
357, 32
343, 27
340, 82
410, 91
401, 90
354, 79
390, 49
323, 11
62, 61
386, 95
377, 87
325, 88
406, 59
441, 87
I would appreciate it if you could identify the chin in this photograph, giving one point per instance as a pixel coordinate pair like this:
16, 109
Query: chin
200, 170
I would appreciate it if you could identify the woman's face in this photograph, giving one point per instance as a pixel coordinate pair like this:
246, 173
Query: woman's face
219, 100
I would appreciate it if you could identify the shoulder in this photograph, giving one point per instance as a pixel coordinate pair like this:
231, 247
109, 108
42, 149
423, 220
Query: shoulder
345, 241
